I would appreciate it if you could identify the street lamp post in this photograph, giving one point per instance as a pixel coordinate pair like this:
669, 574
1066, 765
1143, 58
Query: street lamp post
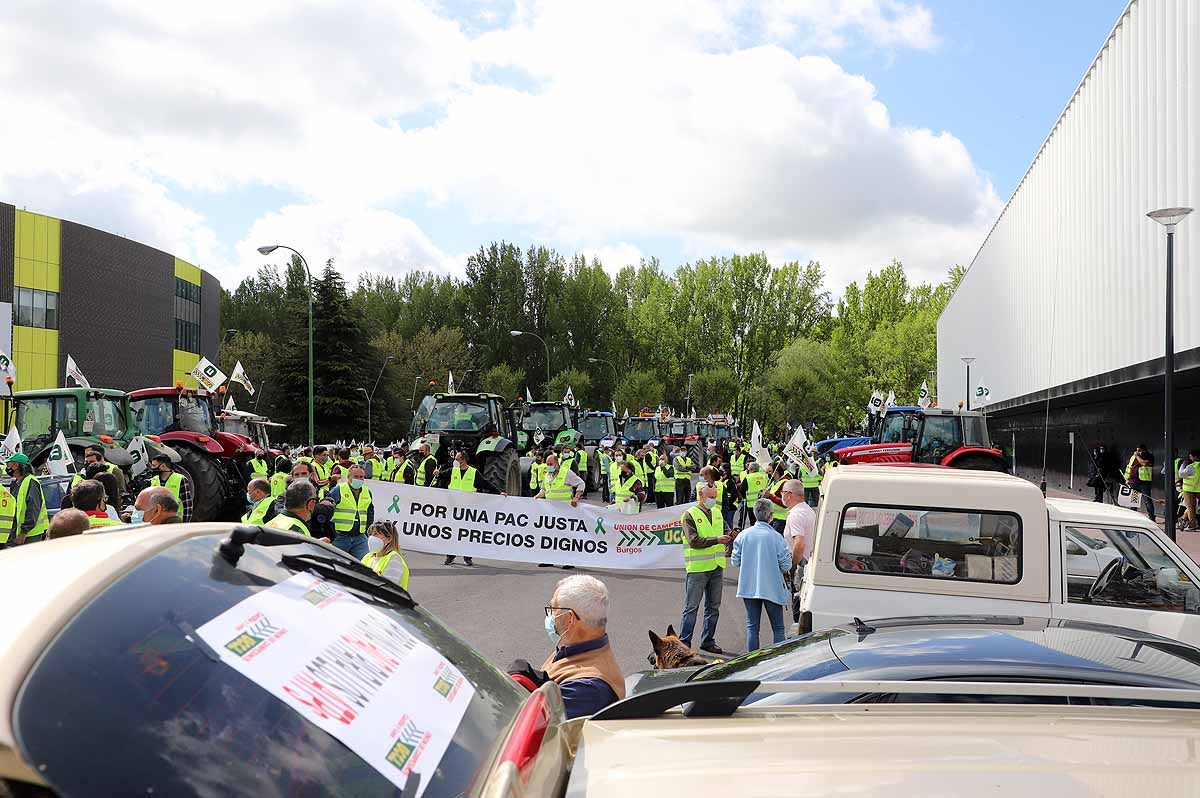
516, 333
968, 361
616, 375
688, 411
267, 250
1168, 218
363, 391
371, 396
416, 379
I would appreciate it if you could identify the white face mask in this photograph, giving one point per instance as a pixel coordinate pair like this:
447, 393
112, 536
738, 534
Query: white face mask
374, 543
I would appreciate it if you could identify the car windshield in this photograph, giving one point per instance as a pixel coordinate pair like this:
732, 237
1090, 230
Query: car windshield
155, 415
173, 718
641, 428
105, 416
596, 427
450, 415
544, 418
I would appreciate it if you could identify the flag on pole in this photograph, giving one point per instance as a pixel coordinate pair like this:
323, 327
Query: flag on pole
982, 395
11, 444
74, 373
137, 453
450, 383
923, 396
627, 412
239, 376
60, 456
800, 453
569, 397
757, 450
209, 376
875, 404
229, 403
614, 407
891, 400
7, 367
528, 395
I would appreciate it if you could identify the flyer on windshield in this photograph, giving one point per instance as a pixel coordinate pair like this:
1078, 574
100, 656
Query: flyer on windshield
349, 669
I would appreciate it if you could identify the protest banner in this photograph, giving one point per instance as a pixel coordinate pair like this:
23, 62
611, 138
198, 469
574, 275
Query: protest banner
529, 530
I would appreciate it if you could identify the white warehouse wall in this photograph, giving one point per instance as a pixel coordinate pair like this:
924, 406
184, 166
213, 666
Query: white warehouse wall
1070, 283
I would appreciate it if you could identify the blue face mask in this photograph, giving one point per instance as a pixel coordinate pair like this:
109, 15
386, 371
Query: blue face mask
710, 502
249, 498
356, 484
137, 516
551, 632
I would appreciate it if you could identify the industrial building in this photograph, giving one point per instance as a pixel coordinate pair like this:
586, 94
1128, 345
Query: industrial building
130, 315
1063, 306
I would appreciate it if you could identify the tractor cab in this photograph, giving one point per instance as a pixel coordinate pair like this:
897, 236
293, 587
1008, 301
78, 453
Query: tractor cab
451, 422
544, 423
642, 431
596, 427
85, 416
934, 436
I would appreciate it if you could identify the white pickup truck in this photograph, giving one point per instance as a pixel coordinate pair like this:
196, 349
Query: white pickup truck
910, 540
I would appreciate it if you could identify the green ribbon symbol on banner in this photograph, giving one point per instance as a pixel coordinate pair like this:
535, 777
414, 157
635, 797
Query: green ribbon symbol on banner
600, 530
394, 507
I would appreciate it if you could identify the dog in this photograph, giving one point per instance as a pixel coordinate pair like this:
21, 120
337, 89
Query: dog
671, 652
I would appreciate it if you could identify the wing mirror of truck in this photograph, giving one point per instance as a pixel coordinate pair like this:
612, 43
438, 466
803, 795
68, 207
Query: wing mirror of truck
1075, 550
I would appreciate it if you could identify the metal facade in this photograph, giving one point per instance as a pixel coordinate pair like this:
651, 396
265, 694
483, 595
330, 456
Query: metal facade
1066, 293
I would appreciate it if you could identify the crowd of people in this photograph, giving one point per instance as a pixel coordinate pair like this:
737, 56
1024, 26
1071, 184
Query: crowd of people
1106, 475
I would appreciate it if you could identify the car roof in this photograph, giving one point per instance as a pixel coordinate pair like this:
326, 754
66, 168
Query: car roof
1097, 513
893, 751
49, 583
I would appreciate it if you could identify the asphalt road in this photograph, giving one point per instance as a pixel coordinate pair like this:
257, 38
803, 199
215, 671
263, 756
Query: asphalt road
497, 607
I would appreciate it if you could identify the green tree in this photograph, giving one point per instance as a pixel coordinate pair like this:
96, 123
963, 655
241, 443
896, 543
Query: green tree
254, 350
503, 379
637, 390
578, 381
714, 390
344, 361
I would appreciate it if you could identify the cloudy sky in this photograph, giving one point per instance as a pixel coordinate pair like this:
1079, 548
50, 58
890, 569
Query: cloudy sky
394, 135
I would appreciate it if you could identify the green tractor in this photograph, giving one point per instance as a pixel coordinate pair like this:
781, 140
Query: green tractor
553, 424
454, 422
85, 416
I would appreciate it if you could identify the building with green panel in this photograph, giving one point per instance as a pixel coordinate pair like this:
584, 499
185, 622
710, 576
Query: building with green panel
130, 315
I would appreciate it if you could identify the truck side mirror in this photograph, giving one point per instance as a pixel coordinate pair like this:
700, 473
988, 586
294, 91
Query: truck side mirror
1074, 549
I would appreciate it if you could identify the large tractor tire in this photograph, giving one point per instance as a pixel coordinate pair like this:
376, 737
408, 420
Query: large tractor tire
526, 465
980, 462
503, 469
696, 452
592, 477
208, 483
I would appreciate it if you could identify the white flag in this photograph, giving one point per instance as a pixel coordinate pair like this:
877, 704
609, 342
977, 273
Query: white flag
229, 404
450, 383
875, 404
74, 373
614, 407
209, 376
757, 451
923, 396
137, 453
891, 400
982, 395
569, 397
627, 412
60, 456
528, 395
7, 367
11, 444
800, 452
239, 376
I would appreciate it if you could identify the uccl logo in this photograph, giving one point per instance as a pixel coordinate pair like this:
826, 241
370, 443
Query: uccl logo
407, 748
636, 535
254, 636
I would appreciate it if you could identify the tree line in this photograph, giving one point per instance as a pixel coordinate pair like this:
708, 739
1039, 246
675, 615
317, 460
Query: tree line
744, 336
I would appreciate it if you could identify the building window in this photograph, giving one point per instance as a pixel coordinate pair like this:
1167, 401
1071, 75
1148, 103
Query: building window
36, 308
187, 316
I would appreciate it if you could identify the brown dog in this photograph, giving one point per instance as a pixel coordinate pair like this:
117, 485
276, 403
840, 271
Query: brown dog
671, 652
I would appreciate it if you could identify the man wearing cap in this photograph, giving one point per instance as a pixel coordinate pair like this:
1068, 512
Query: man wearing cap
179, 486
31, 521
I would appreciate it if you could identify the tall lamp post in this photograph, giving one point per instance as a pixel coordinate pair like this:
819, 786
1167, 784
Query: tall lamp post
363, 391
267, 251
616, 376
371, 396
968, 361
1168, 218
688, 409
518, 333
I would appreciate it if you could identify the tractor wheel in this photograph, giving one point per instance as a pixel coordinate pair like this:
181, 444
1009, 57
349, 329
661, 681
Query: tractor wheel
208, 483
525, 466
696, 453
503, 470
979, 462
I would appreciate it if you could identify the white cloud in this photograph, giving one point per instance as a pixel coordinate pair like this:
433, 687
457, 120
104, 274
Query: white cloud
590, 125
357, 239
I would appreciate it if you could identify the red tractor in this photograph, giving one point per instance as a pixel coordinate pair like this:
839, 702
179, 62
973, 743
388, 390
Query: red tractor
934, 436
183, 419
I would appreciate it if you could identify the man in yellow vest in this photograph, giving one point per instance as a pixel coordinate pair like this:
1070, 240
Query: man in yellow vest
262, 503
664, 483
392, 462
31, 520
426, 467
462, 478
1189, 474
300, 499
560, 484
581, 464
1139, 474
812, 486
754, 483
537, 472
405, 471
89, 497
353, 513
704, 562
737, 463
165, 476
683, 476
321, 466
258, 464
605, 460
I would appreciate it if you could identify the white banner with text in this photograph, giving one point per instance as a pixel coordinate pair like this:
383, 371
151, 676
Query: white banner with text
529, 530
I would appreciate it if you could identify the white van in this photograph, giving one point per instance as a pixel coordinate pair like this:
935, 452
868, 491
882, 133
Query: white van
910, 540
